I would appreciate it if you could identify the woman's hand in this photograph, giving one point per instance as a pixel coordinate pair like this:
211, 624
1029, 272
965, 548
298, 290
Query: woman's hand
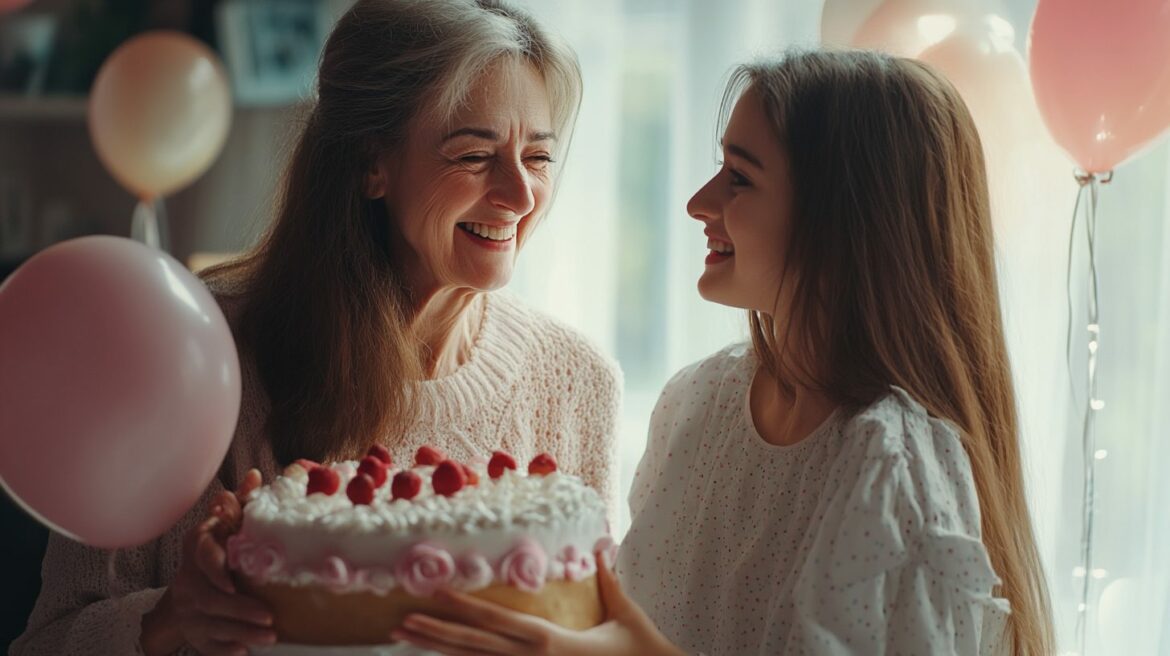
482, 627
201, 608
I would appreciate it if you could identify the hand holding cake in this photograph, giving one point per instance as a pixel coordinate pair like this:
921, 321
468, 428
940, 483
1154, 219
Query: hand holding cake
479, 627
202, 607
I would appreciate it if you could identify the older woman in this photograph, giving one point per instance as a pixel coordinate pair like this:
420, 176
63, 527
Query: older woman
369, 313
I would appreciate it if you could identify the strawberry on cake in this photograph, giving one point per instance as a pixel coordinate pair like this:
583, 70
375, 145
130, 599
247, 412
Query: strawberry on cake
342, 552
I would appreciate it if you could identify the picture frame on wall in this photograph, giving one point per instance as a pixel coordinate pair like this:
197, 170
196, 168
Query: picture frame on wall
272, 47
26, 45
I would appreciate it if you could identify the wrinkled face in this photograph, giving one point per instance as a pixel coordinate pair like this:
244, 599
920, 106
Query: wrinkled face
463, 194
746, 214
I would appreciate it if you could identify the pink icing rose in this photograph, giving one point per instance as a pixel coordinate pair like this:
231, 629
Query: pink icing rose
608, 549
577, 564
257, 560
472, 572
334, 573
424, 569
525, 566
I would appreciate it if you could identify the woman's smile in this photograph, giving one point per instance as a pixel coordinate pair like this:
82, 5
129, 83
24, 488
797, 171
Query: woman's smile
498, 238
720, 251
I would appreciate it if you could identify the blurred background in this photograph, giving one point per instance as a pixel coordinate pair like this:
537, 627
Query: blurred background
619, 256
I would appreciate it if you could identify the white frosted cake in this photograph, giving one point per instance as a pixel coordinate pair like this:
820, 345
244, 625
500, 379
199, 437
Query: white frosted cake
343, 552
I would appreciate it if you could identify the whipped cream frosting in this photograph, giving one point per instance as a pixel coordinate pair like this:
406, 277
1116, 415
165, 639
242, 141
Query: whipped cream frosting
519, 529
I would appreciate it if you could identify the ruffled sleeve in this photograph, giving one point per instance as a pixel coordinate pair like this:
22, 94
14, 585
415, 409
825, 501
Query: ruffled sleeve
899, 565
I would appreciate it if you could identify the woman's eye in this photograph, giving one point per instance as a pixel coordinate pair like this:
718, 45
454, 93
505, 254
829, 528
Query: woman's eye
541, 159
477, 158
737, 178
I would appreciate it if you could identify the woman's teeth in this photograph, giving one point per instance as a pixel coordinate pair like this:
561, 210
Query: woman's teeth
720, 247
490, 232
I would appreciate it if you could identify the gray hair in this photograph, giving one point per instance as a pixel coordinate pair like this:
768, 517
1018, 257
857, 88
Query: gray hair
388, 60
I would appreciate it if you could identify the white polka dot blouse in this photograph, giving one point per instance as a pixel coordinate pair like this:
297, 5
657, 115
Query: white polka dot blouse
863, 538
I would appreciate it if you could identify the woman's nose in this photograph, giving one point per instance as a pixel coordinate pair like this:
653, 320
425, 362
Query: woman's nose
512, 189
704, 205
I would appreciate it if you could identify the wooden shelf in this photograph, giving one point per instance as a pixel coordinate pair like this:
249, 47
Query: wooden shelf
34, 109
42, 108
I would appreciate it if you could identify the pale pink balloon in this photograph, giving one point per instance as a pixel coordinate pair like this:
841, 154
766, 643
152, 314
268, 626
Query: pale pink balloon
840, 19
12, 5
1101, 75
981, 60
1025, 168
119, 389
159, 112
907, 27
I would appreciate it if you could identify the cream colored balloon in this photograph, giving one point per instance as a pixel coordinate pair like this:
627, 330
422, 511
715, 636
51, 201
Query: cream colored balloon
159, 112
840, 20
1026, 170
907, 27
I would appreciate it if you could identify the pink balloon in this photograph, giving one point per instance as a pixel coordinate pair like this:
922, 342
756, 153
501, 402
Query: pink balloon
12, 5
981, 60
1101, 73
119, 390
1025, 168
907, 27
840, 19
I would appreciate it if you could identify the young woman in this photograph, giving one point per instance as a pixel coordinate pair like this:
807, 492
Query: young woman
850, 481
370, 312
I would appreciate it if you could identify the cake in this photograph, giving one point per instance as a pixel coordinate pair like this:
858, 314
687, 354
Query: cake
342, 552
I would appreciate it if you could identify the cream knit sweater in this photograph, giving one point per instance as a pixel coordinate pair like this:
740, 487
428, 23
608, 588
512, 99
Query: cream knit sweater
529, 385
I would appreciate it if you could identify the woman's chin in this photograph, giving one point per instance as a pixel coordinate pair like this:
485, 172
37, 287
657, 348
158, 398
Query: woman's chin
488, 281
712, 290
717, 291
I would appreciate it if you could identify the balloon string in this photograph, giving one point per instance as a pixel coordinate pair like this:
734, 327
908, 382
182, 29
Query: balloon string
144, 224
1091, 183
160, 220
1072, 234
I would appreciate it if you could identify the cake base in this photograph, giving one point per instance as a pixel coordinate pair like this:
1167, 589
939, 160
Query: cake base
309, 615
397, 649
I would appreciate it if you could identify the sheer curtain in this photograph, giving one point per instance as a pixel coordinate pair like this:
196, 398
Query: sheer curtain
618, 258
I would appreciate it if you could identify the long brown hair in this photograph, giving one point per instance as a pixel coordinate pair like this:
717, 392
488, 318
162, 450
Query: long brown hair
325, 309
893, 278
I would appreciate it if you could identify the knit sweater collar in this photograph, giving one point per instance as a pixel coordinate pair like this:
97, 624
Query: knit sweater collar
492, 364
